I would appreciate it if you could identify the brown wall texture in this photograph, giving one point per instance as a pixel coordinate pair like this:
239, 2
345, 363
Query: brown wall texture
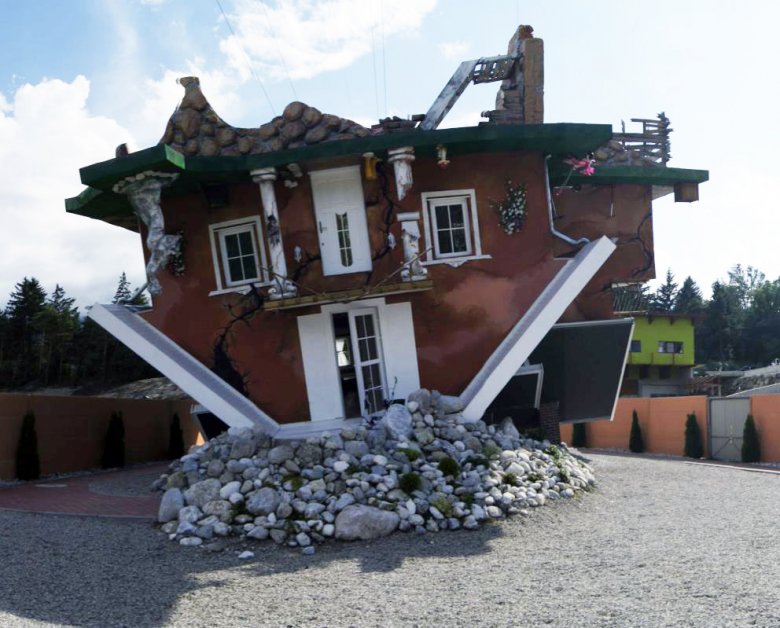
71, 430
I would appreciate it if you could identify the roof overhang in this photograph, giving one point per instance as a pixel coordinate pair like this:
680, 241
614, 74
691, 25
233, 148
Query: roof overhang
556, 139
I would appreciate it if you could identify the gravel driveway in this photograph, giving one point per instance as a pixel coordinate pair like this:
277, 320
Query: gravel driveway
660, 543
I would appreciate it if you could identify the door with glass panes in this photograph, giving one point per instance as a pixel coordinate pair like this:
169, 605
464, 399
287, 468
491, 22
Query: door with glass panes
358, 348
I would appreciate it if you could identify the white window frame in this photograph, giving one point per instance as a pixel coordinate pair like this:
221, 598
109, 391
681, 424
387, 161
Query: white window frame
449, 197
359, 363
217, 233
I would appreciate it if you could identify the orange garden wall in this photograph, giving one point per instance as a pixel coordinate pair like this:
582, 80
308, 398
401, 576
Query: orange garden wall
71, 430
766, 412
662, 420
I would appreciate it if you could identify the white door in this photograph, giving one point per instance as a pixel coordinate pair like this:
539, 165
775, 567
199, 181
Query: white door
340, 211
367, 356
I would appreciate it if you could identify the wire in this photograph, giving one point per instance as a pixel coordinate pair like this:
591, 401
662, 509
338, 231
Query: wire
376, 83
248, 58
384, 56
278, 48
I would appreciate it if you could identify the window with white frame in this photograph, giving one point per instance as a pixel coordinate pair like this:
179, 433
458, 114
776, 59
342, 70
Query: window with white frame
451, 227
237, 253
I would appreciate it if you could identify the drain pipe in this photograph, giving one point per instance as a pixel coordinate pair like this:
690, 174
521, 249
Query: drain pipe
553, 230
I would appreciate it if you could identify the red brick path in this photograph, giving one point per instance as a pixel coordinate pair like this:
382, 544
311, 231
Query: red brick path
73, 496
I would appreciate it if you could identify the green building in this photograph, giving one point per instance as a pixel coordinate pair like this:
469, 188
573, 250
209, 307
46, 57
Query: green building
661, 355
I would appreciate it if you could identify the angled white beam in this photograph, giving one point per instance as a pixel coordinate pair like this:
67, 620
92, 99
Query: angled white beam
532, 327
181, 368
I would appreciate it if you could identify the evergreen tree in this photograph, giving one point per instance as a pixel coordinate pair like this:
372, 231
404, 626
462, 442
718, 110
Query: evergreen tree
124, 294
720, 333
761, 331
28, 464
175, 439
693, 443
114, 448
664, 298
22, 335
689, 299
635, 441
745, 281
751, 446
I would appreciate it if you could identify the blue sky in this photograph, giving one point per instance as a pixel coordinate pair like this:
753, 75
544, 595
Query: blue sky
78, 78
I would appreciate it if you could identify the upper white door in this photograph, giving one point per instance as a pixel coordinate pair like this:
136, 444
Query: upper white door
340, 211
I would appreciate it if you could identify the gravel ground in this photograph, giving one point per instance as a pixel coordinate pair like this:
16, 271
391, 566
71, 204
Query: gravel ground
659, 543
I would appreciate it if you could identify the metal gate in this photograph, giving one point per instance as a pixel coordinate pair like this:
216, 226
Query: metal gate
725, 425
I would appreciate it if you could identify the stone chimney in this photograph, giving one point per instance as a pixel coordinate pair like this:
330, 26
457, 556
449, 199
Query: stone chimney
520, 99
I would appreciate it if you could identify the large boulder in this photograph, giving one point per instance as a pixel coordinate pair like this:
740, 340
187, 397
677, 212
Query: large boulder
398, 422
203, 492
365, 523
263, 501
170, 505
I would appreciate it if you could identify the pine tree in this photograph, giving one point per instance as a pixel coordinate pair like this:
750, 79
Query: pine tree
28, 464
635, 441
123, 293
114, 448
689, 299
22, 334
751, 445
693, 443
175, 439
664, 298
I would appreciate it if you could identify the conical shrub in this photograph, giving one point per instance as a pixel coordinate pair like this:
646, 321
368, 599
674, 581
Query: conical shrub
751, 445
28, 463
579, 435
635, 441
694, 447
175, 439
114, 449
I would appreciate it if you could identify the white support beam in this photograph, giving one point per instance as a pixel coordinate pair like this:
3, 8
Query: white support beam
524, 337
181, 368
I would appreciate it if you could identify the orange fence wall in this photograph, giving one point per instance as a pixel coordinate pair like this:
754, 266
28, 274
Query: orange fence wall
71, 430
662, 420
766, 413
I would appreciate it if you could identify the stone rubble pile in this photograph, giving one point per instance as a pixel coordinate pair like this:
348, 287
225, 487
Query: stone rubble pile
421, 467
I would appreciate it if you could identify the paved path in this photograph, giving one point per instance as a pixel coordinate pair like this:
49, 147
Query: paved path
122, 493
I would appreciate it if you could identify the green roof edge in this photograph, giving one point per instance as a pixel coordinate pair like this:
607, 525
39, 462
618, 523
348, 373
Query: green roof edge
644, 175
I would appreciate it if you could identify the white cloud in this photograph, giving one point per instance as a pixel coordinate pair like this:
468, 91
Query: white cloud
455, 49
304, 38
47, 133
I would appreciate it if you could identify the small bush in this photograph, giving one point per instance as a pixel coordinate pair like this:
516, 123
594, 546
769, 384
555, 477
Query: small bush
579, 435
442, 504
411, 454
478, 461
114, 449
296, 481
554, 452
510, 479
751, 445
534, 477
635, 441
449, 467
491, 452
175, 439
409, 483
694, 447
28, 464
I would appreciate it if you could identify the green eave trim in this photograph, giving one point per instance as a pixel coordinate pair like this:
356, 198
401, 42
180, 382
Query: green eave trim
657, 176
107, 206
106, 174
558, 139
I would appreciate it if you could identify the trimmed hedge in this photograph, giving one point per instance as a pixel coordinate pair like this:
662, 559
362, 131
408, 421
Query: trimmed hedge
28, 463
694, 447
751, 445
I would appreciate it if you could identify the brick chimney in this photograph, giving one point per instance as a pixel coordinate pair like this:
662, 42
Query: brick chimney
520, 99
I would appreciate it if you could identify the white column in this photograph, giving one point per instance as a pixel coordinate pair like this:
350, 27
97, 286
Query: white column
402, 159
282, 287
410, 233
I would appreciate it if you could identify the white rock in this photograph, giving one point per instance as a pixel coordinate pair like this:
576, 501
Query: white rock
258, 533
365, 522
191, 540
328, 529
302, 539
190, 514
245, 555
397, 422
340, 466
231, 487
171, 503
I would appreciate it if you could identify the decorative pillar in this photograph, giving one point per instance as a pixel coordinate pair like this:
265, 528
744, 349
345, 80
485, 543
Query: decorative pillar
282, 287
143, 192
410, 233
402, 159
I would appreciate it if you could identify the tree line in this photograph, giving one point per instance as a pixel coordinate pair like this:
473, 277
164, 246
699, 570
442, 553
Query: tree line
739, 325
46, 342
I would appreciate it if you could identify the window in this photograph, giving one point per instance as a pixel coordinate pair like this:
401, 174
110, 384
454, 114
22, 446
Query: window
451, 227
636, 346
665, 346
340, 211
237, 254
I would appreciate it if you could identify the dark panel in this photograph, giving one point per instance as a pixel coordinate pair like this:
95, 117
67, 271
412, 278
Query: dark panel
516, 400
583, 367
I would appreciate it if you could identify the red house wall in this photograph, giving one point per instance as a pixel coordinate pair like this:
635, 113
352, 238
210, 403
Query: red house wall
457, 324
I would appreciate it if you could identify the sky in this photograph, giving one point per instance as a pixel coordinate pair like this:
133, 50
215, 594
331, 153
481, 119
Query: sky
78, 78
